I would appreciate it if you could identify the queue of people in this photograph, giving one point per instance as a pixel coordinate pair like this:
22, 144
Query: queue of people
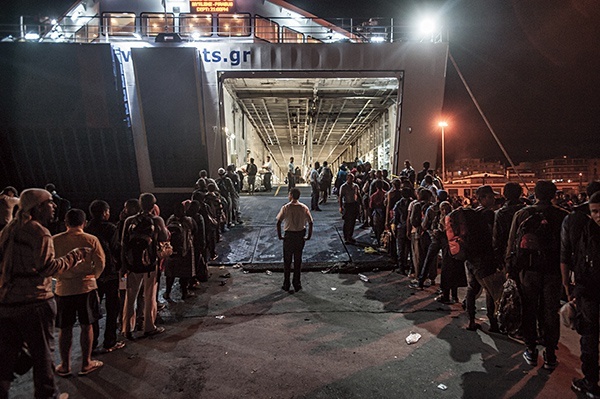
547, 250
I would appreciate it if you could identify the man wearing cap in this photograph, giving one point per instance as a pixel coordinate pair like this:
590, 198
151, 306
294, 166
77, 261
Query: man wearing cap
541, 275
480, 266
27, 306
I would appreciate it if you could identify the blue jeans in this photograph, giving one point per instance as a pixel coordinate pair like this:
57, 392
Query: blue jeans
429, 268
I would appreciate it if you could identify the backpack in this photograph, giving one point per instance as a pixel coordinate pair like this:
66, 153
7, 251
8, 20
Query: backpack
251, 169
325, 176
464, 232
140, 249
180, 237
535, 241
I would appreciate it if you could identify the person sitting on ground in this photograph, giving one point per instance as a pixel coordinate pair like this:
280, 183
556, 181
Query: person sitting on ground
77, 294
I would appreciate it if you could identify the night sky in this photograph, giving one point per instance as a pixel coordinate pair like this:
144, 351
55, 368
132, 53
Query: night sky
533, 65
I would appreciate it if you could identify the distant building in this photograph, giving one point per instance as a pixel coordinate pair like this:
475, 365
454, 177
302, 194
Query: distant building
571, 175
472, 166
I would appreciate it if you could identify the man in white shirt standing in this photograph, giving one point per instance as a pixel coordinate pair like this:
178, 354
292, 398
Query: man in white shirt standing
295, 216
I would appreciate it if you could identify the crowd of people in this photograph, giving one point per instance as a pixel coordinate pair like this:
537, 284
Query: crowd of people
43, 238
545, 244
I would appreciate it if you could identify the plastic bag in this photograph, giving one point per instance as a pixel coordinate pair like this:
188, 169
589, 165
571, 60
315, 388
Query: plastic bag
510, 308
568, 315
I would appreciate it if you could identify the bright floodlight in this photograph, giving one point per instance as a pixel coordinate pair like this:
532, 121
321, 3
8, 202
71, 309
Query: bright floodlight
443, 124
32, 36
377, 39
427, 26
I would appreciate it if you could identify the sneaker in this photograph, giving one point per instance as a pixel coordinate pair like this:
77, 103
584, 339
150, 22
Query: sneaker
531, 357
415, 286
550, 361
587, 388
156, 331
444, 300
427, 283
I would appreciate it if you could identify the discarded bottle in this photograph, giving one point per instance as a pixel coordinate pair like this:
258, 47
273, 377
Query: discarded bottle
413, 338
363, 277
268, 272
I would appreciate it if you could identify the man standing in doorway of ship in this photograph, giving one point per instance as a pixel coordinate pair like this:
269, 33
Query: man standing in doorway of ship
291, 177
251, 169
314, 185
294, 216
268, 169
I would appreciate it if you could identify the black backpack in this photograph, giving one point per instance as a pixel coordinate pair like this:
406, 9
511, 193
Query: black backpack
140, 248
180, 237
536, 241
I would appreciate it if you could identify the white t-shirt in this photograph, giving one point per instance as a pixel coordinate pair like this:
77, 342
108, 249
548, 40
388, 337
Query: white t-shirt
295, 216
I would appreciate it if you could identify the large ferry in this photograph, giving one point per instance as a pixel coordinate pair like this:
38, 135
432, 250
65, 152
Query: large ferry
118, 96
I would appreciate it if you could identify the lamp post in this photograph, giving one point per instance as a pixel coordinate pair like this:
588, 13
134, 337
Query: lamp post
443, 124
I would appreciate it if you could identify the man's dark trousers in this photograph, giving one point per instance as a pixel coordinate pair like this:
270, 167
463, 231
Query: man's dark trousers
588, 329
293, 244
536, 285
34, 325
350, 212
314, 196
109, 290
